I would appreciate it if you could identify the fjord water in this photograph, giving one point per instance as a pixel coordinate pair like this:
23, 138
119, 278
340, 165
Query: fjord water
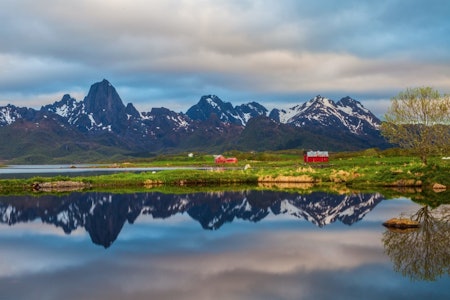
218, 245
28, 171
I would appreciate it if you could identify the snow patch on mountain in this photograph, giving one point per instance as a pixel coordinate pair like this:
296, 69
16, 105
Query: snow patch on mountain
8, 115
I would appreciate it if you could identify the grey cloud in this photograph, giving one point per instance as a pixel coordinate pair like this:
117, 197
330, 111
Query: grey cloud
239, 47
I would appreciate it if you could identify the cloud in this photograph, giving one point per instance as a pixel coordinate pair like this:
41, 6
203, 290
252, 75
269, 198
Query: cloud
176, 50
188, 266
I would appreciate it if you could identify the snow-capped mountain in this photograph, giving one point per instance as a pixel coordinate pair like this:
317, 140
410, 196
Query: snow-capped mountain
9, 114
347, 114
101, 110
211, 124
211, 104
163, 119
103, 215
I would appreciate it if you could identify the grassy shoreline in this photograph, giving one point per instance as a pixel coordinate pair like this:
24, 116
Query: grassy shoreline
363, 170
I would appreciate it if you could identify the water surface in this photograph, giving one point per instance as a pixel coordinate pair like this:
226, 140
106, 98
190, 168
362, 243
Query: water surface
26, 171
221, 245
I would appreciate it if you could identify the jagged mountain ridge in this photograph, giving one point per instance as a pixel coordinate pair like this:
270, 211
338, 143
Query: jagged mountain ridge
211, 104
209, 124
346, 114
101, 110
103, 215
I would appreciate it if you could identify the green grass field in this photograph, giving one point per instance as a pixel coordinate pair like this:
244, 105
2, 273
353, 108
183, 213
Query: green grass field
365, 170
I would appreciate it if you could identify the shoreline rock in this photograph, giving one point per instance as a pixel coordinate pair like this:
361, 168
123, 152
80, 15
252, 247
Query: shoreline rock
401, 223
61, 186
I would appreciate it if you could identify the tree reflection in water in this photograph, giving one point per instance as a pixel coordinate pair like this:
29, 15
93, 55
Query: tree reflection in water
422, 253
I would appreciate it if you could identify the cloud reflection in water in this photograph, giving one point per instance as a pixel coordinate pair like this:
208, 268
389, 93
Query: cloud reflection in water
281, 257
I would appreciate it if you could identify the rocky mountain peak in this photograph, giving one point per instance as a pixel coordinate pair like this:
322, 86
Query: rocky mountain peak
105, 108
101, 109
132, 111
347, 114
10, 113
103, 96
352, 106
354, 109
249, 111
208, 105
65, 107
348, 101
212, 105
318, 103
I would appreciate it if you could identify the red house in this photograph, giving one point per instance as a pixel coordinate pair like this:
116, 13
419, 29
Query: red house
220, 159
315, 156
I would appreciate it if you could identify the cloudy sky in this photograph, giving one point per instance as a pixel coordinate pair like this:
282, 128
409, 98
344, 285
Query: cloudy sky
171, 52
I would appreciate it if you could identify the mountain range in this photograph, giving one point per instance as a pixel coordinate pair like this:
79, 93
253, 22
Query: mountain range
103, 215
101, 125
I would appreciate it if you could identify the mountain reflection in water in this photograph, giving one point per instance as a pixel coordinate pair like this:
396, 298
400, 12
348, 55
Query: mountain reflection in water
103, 215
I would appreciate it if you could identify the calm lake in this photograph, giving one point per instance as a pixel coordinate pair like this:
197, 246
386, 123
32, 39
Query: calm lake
27, 171
219, 245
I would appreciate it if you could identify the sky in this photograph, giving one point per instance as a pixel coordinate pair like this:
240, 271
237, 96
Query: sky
169, 53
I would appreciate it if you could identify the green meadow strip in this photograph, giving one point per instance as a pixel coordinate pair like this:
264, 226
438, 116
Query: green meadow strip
361, 170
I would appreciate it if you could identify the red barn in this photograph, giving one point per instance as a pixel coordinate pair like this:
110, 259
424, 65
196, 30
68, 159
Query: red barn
220, 159
315, 156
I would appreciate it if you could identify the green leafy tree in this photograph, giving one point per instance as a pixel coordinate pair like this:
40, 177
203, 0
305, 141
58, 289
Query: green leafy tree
419, 119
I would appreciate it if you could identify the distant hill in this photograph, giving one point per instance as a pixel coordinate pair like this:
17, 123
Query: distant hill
101, 127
